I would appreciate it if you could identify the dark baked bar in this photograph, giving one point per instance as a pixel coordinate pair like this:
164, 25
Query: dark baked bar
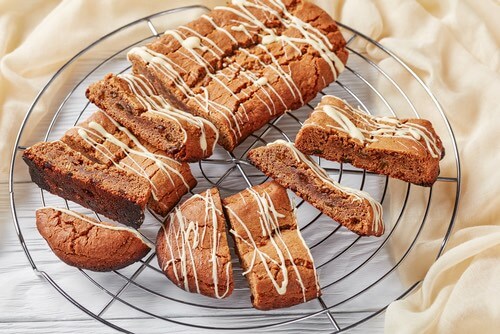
103, 140
276, 261
85, 243
192, 247
406, 149
110, 191
133, 102
354, 209
245, 63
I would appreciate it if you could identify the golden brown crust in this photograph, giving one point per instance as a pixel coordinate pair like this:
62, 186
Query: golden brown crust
398, 157
86, 246
282, 247
110, 191
189, 243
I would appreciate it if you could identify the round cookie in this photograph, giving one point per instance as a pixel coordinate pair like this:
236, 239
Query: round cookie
192, 247
84, 243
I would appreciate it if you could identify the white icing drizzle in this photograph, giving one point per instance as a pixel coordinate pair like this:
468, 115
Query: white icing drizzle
276, 67
165, 66
205, 40
242, 28
212, 22
158, 105
310, 35
359, 195
376, 127
180, 230
268, 39
192, 43
287, 77
162, 162
245, 14
344, 122
269, 223
261, 81
109, 227
292, 203
248, 74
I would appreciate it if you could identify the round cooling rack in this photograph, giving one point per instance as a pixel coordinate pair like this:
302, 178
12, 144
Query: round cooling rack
359, 277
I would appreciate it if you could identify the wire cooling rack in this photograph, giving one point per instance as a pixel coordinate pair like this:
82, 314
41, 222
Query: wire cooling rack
359, 277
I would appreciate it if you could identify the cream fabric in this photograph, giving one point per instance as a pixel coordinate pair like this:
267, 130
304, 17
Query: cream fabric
453, 45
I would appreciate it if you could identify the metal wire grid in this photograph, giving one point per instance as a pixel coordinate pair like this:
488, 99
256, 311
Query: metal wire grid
238, 163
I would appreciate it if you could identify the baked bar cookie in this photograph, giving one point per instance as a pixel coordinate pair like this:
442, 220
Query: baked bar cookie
85, 243
192, 247
276, 261
133, 102
354, 209
406, 149
245, 63
103, 140
111, 191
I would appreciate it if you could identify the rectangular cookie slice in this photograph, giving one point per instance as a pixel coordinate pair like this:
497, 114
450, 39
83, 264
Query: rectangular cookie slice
406, 149
276, 261
103, 140
245, 64
192, 246
111, 191
352, 208
133, 102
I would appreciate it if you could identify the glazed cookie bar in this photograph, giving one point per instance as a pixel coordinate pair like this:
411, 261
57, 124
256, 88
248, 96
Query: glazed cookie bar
406, 149
354, 209
133, 102
111, 191
276, 261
